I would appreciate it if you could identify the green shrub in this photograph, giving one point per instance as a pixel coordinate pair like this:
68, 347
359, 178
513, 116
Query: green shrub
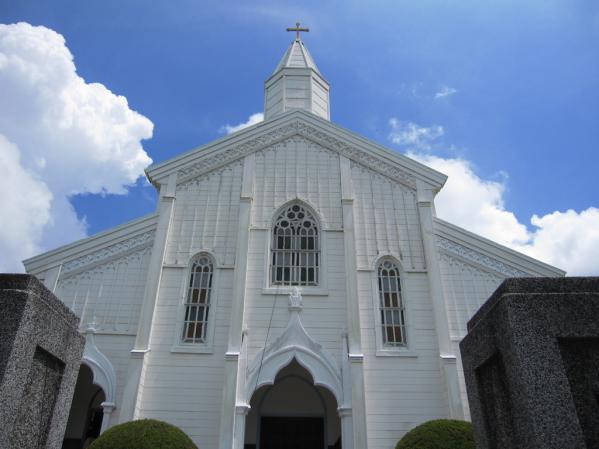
439, 434
143, 434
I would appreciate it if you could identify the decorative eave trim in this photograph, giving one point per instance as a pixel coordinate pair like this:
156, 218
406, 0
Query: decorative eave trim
471, 255
223, 151
296, 128
96, 243
503, 254
108, 253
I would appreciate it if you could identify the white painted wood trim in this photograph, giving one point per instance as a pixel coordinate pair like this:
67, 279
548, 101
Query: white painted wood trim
236, 324
132, 394
354, 345
426, 213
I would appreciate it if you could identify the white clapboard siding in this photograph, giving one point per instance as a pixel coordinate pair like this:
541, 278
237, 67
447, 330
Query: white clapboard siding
186, 388
401, 391
324, 315
110, 294
206, 216
297, 168
386, 219
465, 288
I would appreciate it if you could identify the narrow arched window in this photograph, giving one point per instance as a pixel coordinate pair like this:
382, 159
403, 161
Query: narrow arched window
393, 318
295, 248
197, 301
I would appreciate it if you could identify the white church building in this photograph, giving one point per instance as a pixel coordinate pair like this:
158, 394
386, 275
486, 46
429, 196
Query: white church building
293, 289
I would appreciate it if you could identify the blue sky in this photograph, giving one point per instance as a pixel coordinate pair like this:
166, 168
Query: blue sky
510, 88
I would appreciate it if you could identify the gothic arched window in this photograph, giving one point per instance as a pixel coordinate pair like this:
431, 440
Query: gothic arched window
295, 249
197, 301
392, 310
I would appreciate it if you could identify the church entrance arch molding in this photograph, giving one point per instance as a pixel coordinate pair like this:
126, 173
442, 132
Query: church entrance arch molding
322, 371
103, 373
294, 343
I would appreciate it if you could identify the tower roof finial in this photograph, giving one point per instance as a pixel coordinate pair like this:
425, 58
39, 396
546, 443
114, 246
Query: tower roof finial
298, 30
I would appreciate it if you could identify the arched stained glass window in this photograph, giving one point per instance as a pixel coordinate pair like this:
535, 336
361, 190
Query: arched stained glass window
295, 249
197, 302
392, 310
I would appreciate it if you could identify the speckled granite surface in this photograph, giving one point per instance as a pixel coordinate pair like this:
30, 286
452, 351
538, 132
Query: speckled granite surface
531, 363
40, 355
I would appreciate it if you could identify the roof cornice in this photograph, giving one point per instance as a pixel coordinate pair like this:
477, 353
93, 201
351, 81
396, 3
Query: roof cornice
228, 149
131, 235
472, 247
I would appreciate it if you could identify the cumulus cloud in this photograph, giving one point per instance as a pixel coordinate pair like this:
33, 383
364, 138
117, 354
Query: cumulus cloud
252, 120
59, 136
568, 240
474, 203
445, 91
412, 136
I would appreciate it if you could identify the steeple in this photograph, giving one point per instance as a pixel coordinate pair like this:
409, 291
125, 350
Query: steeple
296, 83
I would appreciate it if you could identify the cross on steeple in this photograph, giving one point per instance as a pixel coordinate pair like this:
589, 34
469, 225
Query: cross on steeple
298, 30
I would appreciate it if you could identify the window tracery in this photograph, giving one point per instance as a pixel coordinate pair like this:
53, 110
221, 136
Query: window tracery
295, 248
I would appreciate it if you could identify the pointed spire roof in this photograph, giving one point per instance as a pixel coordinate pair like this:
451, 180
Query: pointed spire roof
296, 83
297, 56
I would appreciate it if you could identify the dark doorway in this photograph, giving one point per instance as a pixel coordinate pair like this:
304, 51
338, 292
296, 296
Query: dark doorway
291, 433
85, 417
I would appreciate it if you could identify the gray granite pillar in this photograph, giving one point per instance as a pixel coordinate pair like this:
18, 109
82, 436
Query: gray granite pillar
40, 356
531, 363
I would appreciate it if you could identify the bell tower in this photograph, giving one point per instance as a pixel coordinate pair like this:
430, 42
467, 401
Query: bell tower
296, 83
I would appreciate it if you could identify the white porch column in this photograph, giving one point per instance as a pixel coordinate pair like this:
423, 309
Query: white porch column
447, 358
344, 409
107, 408
241, 412
133, 390
233, 370
355, 355
347, 431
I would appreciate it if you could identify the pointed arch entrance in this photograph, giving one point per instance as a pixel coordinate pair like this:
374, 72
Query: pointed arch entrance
293, 413
294, 362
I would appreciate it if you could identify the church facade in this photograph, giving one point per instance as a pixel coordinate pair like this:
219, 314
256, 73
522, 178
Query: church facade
294, 283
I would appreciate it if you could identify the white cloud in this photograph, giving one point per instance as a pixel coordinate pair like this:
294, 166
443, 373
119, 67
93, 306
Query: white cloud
445, 91
471, 202
568, 240
252, 120
412, 136
61, 136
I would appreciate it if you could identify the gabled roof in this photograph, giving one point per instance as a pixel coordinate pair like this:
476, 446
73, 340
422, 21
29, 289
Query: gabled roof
297, 56
474, 248
297, 122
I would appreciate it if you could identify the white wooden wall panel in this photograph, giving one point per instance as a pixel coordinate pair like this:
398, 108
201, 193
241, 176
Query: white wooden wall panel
386, 220
465, 288
323, 316
186, 388
110, 293
401, 391
297, 168
206, 215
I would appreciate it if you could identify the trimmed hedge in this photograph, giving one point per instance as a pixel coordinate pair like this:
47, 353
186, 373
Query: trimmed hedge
439, 434
143, 434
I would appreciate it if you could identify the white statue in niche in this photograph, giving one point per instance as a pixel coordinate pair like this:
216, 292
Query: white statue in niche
295, 299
